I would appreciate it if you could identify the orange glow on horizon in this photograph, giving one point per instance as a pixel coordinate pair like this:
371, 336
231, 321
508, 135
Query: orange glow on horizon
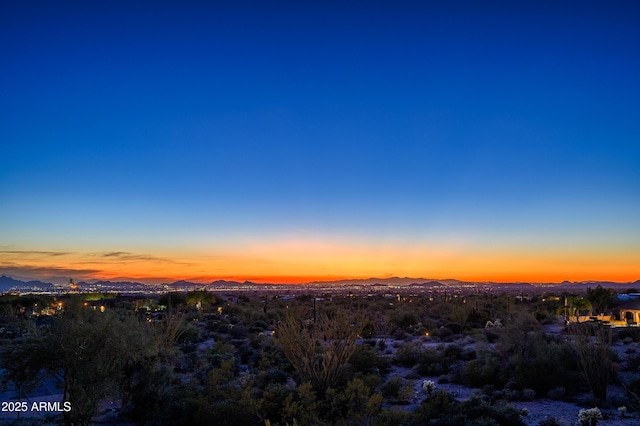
302, 264
497, 276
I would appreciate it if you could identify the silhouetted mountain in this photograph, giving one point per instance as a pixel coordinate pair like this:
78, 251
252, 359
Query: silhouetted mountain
389, 281
122, 283
217, 283
7, 283
225, 283
184, 283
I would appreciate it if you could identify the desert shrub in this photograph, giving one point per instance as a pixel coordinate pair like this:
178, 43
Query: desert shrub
189, 333
246, 353
453, 351
498, 394
382, 344
442, 409
354, 405
239, 332
476, 408
512, 394
151, 396
491, 335
261, 324
557, 393
431, 363
444, 378
488, 389
412, 375
549, 421
212, 325
457, 352
223, 328
430, 369
443, 333
614, 356
455, 327
468, 354
472, 325
371, 380
404, 319
397, 390
399, 334
272, 400
384, 364
394, 417
437, 362
485, 369
541, 316
368, 331
363, 359
408, 354
632, 362
632, 388
625, 333
539, 362
437, 406
271, 376
528, 394
301, 406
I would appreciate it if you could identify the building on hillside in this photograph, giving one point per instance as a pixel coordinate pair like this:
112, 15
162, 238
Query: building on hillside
624, 313
627, 313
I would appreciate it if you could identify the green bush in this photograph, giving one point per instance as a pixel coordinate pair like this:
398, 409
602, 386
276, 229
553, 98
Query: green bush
549, 421
475, 408
557, 393
432, 363
543, 364
443, 410
364, 359
397, 390
485, 369
623, 333
408, 354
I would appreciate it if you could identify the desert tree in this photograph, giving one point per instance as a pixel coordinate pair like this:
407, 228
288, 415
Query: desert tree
578, 305
592, 344
89, 352
600, 298
319, 350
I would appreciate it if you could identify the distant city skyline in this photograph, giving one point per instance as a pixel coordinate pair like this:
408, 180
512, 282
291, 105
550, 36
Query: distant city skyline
297, 142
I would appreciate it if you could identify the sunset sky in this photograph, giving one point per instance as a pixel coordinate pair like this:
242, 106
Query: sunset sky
289, 142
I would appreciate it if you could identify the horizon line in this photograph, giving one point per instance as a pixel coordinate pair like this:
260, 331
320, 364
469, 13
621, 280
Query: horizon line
409, 280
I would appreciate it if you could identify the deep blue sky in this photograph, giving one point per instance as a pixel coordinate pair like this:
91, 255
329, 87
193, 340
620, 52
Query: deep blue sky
156, 126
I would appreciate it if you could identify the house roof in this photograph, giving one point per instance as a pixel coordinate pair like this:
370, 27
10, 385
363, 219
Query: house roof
628, 304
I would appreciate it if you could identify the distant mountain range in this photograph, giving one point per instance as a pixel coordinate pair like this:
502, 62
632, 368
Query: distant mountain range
7, 283
10, 283
387, 281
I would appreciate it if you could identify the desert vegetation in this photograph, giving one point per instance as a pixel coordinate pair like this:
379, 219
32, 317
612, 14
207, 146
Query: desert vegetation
272, 359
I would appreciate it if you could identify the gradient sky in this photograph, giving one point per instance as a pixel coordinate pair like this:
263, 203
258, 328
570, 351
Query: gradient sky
285, 142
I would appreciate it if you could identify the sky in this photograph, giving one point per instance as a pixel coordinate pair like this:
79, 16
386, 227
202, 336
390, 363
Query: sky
292, 142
